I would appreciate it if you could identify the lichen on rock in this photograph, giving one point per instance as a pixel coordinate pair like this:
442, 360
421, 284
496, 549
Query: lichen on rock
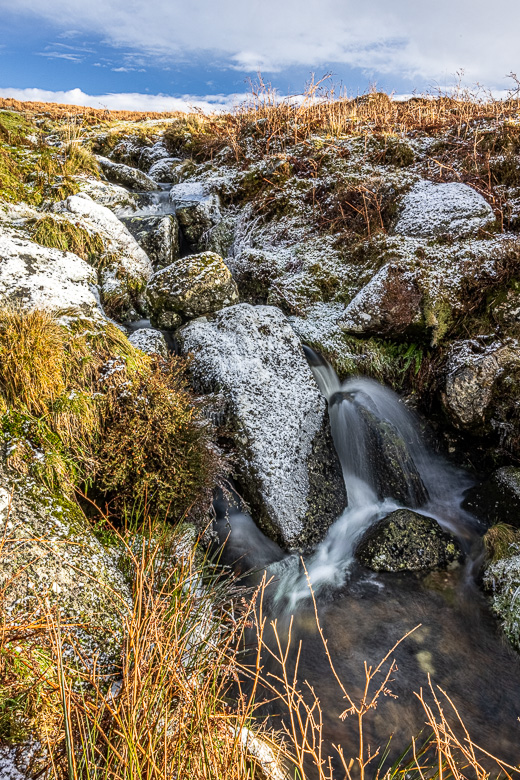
190, 287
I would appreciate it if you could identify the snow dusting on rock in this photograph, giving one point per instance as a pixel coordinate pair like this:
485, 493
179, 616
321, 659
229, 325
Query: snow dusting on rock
150, 341
281, 433
431, 210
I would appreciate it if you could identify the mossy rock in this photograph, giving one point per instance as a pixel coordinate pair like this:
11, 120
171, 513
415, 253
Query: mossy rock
190, 287
407, 541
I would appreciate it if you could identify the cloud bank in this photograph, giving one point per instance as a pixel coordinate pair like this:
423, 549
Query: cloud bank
412, 38
125, 101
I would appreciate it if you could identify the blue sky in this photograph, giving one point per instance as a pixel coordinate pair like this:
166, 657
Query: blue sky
131, 54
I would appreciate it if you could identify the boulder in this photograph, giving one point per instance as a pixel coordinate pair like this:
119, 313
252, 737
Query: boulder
433, 210
387, 306
497, 500
158, 236
196, 209
286, 463
480, 383
128, 149
126, 267
150, 155
123, 174
49, 554
407, 541
190, 287
106, 194
37, 277
165, 171
150, 341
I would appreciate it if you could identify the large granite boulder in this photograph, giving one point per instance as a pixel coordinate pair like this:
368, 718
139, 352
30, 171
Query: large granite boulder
158, 236
50, 555
407, 541
165, 171
286, 464
190, 287
37, 277
387, 306
196, 209
123, 174
126, 268
433, 210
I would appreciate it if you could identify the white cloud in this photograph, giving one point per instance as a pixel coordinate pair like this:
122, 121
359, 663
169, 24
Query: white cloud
125, 101
415, 38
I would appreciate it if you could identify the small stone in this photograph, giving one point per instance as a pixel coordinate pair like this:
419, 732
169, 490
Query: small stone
150, 341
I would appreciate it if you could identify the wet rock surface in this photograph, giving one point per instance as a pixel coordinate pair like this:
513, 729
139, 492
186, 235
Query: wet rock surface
407, 541
287, 467
497, 500
158, 236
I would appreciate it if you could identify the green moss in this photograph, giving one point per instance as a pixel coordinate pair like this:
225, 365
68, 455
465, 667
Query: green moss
438, 316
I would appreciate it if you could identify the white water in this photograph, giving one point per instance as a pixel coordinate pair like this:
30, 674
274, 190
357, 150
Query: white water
442, 492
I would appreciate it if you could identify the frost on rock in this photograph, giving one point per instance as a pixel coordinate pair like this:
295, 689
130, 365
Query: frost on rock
127, 267
126, 175
430, 210
473, 377
106, 194
196, 209
50, 556
150, 341
502, 580
192, 286
151, 155
165, 170
386, 306
33, 276
287, 465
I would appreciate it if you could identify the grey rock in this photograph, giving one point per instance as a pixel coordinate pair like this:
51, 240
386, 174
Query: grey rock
123, 174
387, 306
406, 541
158, 236
497, 500
150, 341
502, 581
49, 553
196, 209
431, 210
150, 155
190, 287
479, 382
287, 467
165, 171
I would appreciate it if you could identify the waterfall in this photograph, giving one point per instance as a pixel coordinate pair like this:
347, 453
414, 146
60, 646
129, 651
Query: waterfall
386, 466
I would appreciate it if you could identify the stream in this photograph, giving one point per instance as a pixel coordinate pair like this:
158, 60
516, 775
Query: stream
456, 642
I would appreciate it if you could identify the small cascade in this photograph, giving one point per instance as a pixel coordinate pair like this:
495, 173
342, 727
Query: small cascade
385, 465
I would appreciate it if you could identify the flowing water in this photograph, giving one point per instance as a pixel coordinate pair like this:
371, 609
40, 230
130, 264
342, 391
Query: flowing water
458, 644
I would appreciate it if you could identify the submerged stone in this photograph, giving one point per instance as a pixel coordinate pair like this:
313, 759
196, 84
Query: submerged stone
407, 541
286, 463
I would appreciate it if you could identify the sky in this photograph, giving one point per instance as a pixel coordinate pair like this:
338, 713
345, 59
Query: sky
168, 54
